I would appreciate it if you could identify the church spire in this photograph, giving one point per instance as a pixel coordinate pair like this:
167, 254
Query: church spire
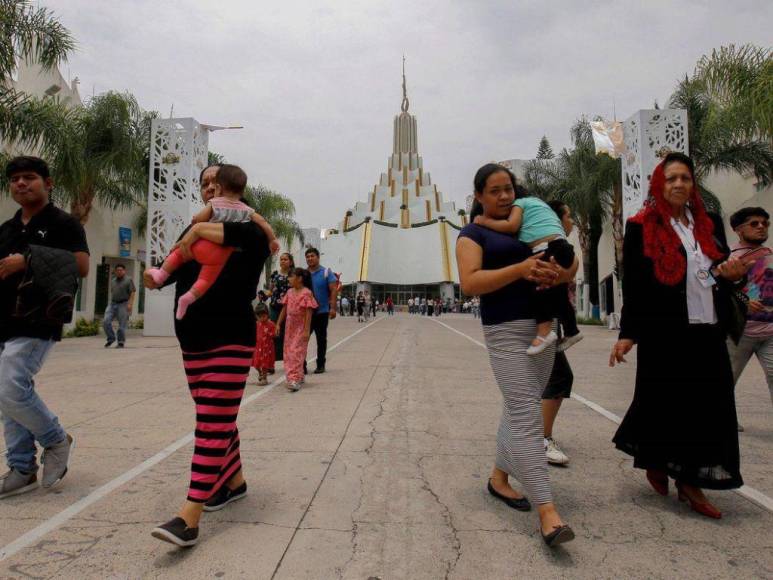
405, 139
405, 103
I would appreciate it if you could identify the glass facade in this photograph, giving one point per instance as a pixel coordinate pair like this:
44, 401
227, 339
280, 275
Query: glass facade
400, 293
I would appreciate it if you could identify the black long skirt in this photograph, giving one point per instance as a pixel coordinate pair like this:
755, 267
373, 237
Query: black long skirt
682, 419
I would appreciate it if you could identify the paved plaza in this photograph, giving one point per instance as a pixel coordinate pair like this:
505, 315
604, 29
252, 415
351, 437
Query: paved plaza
377, 469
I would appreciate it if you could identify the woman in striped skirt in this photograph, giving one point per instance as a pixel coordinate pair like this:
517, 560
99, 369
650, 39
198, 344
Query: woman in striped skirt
503, 271
217, 338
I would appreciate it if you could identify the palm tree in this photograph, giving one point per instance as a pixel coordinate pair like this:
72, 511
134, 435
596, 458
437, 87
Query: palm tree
589, 184
279, 211
215, 158
100, 154
722, 137
28, 33
741, 79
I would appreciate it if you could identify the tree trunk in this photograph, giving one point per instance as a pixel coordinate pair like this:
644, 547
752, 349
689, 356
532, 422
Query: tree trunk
618, 228
584, 236
589, 244
80, 208
596, 230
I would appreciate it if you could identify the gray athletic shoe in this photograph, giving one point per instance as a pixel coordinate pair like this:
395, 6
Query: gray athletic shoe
15, 482
55, 461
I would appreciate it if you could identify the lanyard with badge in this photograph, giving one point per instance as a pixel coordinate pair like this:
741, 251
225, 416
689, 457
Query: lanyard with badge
704, 275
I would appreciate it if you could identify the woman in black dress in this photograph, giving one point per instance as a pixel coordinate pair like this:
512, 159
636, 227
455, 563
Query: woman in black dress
217, 339
676, 308
279, 285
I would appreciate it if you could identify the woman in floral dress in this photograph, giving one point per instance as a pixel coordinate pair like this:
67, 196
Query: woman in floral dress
278, 286
298, 307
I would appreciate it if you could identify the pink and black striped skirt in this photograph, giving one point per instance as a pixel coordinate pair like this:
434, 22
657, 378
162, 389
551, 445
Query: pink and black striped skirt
216, 379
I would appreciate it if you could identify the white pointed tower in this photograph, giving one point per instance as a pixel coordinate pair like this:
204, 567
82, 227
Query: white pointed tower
400, 240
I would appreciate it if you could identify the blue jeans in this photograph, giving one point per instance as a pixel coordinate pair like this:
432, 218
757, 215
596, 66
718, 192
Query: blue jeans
26, 418
121, 311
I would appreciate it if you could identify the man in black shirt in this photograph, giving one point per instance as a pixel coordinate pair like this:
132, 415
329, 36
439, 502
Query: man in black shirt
25, 342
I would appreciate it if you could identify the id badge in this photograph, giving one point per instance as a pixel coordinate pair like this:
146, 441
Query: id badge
705, 278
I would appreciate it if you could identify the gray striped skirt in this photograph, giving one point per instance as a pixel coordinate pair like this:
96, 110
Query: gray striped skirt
522, 379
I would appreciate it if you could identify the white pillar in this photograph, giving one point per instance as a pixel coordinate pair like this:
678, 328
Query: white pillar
649, 134
178, 153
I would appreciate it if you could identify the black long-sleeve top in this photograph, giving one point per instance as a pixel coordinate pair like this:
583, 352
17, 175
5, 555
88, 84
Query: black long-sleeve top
651, 307
224, 316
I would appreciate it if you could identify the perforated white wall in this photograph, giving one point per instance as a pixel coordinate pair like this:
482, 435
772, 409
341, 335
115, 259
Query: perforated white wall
649, 134
178, 153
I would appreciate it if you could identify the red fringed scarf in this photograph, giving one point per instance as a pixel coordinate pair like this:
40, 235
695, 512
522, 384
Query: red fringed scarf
661, 243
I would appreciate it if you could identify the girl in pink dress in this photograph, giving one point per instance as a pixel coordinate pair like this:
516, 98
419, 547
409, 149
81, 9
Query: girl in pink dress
298, 306
264, 356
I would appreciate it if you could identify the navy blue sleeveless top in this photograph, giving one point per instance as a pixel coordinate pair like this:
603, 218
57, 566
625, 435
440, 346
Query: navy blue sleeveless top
514, 301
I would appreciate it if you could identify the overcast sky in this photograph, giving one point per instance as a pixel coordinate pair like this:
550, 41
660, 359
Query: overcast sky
317, 88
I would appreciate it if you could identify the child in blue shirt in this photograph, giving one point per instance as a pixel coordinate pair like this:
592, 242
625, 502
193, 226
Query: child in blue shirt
538, 226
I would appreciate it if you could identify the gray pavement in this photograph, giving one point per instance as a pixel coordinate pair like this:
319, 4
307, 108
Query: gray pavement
376, 470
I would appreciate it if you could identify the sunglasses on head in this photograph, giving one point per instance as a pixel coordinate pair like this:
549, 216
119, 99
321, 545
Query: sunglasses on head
757, 223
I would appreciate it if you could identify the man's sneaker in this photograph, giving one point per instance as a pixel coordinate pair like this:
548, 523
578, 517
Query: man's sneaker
542, 343
553, 452
224, 496
15, 482
109, 343
294, 387
119, 345
319, 370
177, 532
569, 342
55, 461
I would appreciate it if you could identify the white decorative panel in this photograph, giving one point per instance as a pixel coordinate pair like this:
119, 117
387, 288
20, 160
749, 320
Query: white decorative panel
178, 153
649, 135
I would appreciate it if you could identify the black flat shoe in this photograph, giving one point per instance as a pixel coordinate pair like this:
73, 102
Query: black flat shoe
559, 535
177, 532
521, 504
224, 496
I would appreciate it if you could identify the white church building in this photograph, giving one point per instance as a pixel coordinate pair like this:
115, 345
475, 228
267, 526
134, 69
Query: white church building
400, 240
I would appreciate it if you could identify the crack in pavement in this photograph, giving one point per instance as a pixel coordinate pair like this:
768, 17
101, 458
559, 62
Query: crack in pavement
333, 457
456, 545
395, 375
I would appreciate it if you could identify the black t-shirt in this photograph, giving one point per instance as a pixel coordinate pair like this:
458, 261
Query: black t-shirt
514, 301
224, 316
51, 227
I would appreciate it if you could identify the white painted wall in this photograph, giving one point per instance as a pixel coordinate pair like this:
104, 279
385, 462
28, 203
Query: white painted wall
341, 253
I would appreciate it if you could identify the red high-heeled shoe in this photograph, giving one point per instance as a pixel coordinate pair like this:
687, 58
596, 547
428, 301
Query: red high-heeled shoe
703, 508
658, 480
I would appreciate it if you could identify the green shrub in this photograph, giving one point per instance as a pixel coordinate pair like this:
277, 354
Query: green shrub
83, 327
137, 324
589, 321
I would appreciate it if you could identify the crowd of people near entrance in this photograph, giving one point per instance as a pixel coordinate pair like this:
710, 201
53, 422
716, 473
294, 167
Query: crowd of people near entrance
414, 305
697, 308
